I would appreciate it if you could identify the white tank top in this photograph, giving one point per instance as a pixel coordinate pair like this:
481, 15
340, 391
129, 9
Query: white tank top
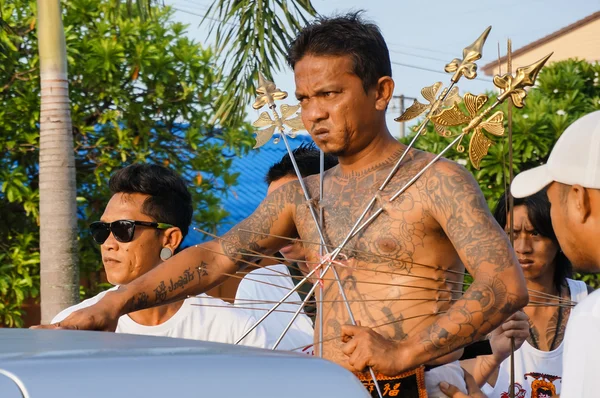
528, 360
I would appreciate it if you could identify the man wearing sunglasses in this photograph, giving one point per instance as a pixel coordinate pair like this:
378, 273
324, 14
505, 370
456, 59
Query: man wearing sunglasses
144, 223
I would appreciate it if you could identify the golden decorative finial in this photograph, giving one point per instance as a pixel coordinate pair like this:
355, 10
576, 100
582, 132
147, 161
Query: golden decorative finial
449, 96
514, 86
511, 86
466, 66
268, 93
430, 93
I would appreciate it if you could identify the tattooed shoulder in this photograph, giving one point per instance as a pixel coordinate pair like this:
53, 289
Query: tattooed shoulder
456, 201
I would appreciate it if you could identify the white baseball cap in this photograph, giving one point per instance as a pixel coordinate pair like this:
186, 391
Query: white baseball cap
575, 159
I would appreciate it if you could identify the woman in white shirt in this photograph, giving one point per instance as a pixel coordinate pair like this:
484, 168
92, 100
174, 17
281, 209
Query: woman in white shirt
538, 363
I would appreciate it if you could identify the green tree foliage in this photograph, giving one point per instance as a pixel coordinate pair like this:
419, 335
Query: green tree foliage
141, 91
564, 92
252, 35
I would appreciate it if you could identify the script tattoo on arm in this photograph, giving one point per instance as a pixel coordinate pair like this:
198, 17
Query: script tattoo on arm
140, 301
498, 290
163, 290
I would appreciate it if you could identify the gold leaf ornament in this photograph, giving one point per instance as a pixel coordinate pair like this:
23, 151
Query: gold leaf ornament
430, 93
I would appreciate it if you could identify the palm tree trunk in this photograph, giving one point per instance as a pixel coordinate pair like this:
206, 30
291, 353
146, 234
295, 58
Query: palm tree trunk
59, 271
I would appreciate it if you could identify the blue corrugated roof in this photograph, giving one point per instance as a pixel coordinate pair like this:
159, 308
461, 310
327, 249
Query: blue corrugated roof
251, 189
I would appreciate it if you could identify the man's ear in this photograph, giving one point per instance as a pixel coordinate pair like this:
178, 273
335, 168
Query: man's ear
172, 238
581, 197
385, 90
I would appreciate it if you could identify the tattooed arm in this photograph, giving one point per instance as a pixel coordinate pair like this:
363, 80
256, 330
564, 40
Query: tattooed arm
454, 199
198, 268
498, 289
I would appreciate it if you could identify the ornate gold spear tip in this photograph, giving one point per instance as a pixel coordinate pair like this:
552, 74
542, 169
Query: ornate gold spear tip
267, 92
514, 86
511, 86
467, 67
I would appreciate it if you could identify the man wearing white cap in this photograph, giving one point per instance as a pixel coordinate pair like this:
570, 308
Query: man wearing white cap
572, 176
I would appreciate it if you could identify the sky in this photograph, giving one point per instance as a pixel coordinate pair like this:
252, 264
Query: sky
424, 35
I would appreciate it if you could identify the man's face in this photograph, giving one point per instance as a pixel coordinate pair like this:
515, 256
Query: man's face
569, 232
125, 262
295, 250
535, 252
341, 118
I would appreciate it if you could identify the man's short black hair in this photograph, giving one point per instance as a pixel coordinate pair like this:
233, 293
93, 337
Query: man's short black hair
345, 35
538, 212
308, 160
169, 200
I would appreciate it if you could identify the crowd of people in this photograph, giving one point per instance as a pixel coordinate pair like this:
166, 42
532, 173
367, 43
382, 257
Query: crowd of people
403, 274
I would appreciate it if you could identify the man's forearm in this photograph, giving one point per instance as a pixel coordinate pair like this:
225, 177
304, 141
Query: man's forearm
485, 367
484, 306
192, 271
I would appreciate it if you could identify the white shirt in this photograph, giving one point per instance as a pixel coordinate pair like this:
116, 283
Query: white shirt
254, 287
529, 359
581, 360
199, 318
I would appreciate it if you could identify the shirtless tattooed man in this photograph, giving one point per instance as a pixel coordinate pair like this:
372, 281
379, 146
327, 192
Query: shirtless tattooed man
405, 269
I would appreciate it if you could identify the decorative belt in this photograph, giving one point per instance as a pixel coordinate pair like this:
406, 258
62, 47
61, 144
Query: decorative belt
406, 385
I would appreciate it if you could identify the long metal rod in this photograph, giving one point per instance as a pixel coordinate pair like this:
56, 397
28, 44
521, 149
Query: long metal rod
532, 292
330, 261
284, 298
300, 308
374, 327
399, 192
323, 243
510, 206
321, 275
391, 174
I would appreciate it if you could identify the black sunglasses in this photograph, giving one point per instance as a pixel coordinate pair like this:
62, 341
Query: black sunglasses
122, 230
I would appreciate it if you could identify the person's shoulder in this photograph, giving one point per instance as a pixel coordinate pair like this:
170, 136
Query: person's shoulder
445, 179
588, 307
419, 159
579, 289
84, 304
452, 168
313, 181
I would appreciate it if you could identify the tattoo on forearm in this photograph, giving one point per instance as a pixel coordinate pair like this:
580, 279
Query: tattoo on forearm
183, 280
140, 301
201, 270
511, 305
161, 293
473, 316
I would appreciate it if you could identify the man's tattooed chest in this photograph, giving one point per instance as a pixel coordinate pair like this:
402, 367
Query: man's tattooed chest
393, 237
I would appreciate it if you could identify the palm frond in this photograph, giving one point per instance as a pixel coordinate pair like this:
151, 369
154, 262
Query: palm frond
251, 35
